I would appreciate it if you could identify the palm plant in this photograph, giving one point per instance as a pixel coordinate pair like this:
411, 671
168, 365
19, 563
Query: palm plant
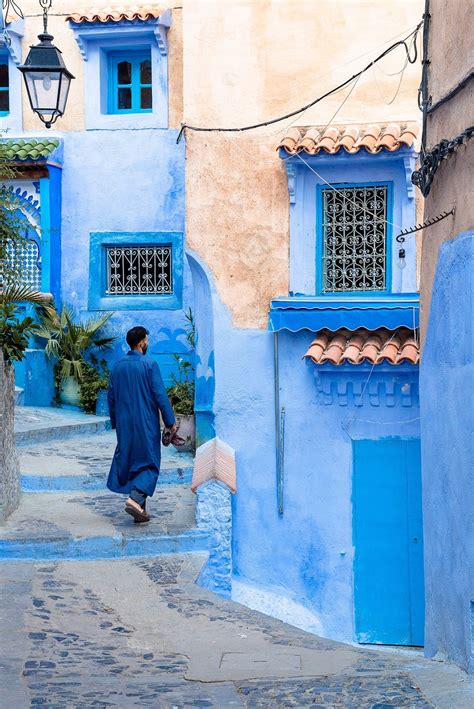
16, 331
70, 340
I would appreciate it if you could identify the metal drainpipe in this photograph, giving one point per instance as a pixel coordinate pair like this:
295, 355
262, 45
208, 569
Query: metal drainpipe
279, 427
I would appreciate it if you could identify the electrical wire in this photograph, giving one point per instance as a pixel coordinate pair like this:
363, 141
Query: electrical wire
401, 73
400, 43
285, 128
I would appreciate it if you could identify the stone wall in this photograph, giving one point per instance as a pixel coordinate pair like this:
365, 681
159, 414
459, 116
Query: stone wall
9, 466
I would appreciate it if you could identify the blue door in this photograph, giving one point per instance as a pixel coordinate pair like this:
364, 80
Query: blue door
387, 523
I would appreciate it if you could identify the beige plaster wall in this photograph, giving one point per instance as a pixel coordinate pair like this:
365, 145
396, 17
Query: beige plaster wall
249, 60
64, 40
451, 49
451, 58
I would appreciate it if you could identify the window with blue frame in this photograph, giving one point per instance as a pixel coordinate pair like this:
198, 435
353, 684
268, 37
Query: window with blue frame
353, 238
130, 82
4, 85
136, 270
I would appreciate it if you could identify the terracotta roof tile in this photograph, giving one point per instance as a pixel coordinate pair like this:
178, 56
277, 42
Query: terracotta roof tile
365, 346
331, 139
116, 14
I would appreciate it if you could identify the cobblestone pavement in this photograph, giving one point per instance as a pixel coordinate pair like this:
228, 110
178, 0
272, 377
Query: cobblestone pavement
77, 637
139, 631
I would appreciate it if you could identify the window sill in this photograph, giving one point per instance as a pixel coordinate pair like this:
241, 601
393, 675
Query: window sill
127, 121
135, 302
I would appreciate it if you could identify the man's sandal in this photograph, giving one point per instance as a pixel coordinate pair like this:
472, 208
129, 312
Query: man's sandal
138, 513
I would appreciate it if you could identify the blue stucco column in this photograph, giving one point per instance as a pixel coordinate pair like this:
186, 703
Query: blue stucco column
214, 482
446, 386
214, 514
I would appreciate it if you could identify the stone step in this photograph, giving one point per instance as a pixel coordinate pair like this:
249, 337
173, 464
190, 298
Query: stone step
95, 526
41, 424
83, 463
95, 481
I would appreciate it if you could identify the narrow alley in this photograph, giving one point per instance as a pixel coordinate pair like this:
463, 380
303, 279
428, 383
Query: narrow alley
101, 613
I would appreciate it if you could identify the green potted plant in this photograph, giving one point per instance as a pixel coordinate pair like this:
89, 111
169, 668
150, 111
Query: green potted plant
79, 376
181, 392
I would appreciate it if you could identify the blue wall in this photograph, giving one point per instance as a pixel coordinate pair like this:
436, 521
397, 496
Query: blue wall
447, 410
123, 181
298, 566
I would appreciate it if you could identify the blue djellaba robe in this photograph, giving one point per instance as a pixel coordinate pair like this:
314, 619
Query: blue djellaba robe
136, 396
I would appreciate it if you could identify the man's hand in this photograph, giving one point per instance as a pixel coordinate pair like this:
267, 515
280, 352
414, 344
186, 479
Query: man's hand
168, 433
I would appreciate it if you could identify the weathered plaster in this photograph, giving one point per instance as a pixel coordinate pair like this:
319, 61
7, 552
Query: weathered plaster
237, 220
446, 386
258, 60
450, 51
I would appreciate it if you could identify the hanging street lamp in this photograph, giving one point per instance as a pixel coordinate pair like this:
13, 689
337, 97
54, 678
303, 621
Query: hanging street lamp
46, 77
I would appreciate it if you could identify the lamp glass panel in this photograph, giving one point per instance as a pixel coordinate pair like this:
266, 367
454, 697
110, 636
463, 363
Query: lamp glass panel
43, 87
63, 93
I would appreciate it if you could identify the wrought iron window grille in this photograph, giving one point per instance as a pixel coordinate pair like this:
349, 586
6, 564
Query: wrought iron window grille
139, 270
354, 239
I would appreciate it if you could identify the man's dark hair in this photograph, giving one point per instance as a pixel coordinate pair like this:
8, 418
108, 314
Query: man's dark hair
136, 335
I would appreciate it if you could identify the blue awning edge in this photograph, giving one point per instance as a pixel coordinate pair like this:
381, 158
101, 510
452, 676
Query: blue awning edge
296, 313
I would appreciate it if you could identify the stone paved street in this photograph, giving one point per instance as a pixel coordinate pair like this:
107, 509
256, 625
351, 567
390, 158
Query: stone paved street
96, 612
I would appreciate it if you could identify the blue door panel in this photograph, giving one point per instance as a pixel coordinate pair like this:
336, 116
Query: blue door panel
415, 542
388, 570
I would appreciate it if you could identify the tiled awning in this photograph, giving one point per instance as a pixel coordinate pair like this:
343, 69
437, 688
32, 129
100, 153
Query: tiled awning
363, 345
117, 14
332, 139
30, 149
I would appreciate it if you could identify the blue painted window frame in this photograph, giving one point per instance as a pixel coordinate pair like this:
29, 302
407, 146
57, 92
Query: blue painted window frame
134, 57
320, 245
5, 60
98, 297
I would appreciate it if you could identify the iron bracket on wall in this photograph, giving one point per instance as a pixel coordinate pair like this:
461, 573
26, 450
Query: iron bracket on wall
423, 177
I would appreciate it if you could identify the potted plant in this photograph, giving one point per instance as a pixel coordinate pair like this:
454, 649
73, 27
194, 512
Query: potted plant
79, 376
181, 392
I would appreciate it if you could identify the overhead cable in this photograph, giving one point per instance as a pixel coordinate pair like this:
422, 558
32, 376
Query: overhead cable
400, 43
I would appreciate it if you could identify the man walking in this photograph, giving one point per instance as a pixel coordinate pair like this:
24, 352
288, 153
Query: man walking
136, 397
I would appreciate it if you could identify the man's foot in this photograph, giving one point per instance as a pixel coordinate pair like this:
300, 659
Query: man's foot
138, 513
